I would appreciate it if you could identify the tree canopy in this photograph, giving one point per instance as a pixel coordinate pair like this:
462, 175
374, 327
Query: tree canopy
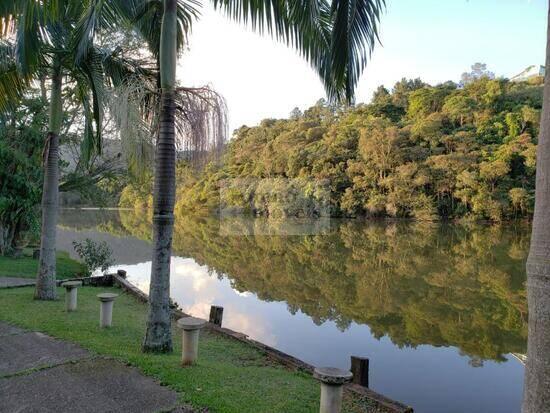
419, 151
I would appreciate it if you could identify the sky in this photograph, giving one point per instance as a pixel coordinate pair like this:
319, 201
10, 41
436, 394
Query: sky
436, 40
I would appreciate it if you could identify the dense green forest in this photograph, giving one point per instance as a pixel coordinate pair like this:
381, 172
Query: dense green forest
418, 151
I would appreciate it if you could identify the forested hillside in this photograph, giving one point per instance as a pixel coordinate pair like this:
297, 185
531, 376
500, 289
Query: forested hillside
418, 151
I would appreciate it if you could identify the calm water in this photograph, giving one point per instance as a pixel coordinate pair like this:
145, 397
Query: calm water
440, 310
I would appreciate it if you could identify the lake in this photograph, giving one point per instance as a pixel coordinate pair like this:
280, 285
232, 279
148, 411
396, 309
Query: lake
439, 309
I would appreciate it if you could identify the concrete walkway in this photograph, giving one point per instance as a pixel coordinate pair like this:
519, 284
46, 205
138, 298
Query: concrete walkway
11, 282
42, 374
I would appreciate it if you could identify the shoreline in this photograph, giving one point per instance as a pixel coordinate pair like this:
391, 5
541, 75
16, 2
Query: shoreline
285, 359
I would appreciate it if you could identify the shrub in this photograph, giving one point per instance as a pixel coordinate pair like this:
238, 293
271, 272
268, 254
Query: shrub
94, 254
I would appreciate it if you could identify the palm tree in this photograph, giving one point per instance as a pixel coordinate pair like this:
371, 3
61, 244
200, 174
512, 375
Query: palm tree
536, 392
335, 36
158, 337
49, 38
200, 119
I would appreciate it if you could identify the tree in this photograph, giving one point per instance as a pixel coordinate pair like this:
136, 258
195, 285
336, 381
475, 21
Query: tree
21, 132
382, 104
401, 90
55, 40
519, 198
338, 50
513, 121
459, 108
381, 96
379, 146
426, 100
158, 337
296, 113
536, 394
479, 70
166, 112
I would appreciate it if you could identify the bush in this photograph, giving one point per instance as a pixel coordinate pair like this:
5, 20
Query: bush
94, 255
21, 141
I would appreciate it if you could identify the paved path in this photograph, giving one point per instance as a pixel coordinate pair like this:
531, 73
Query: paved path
42, 374
10, 282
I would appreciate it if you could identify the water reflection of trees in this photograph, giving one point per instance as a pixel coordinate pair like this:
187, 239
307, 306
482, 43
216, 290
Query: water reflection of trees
416, 283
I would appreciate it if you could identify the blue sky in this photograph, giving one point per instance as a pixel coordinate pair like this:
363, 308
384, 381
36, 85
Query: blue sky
435, 40
439, 39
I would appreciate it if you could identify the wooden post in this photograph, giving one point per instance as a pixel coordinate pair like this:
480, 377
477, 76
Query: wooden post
360, 370
216, 315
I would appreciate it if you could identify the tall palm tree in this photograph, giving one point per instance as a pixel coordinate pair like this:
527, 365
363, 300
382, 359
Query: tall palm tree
46, 38
536, 393
171, 112
335, 36
158, 337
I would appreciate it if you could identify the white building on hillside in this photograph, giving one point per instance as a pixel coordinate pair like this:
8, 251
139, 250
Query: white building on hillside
530, 72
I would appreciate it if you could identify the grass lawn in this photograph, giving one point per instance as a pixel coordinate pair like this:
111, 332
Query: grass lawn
26, 266
229, 376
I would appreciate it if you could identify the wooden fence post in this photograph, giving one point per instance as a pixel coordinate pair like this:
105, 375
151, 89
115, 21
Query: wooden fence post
360, 370
216, 315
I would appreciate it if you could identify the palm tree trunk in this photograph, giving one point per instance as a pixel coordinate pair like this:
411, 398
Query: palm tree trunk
158, 337
45, 279
536, 392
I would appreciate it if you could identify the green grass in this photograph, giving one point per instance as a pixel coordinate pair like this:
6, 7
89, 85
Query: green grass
229, 377
26, 266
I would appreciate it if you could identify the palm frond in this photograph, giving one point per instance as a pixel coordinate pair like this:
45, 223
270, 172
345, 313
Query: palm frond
89, 74
335, 37
107, 15
201, 122
7, 26
118, 68
9, 10
87, 147
147, 19
12, 83
29, 36
354, 34
134, 107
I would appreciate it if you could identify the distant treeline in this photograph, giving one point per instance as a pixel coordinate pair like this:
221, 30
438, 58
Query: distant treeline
419, 151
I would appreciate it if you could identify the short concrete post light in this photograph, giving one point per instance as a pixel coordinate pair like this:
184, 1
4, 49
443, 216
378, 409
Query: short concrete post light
71, 288
106, 309
191, 327
332, 387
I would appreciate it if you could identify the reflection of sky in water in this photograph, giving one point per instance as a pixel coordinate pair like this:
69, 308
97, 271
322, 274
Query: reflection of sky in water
405, 374
195, 291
